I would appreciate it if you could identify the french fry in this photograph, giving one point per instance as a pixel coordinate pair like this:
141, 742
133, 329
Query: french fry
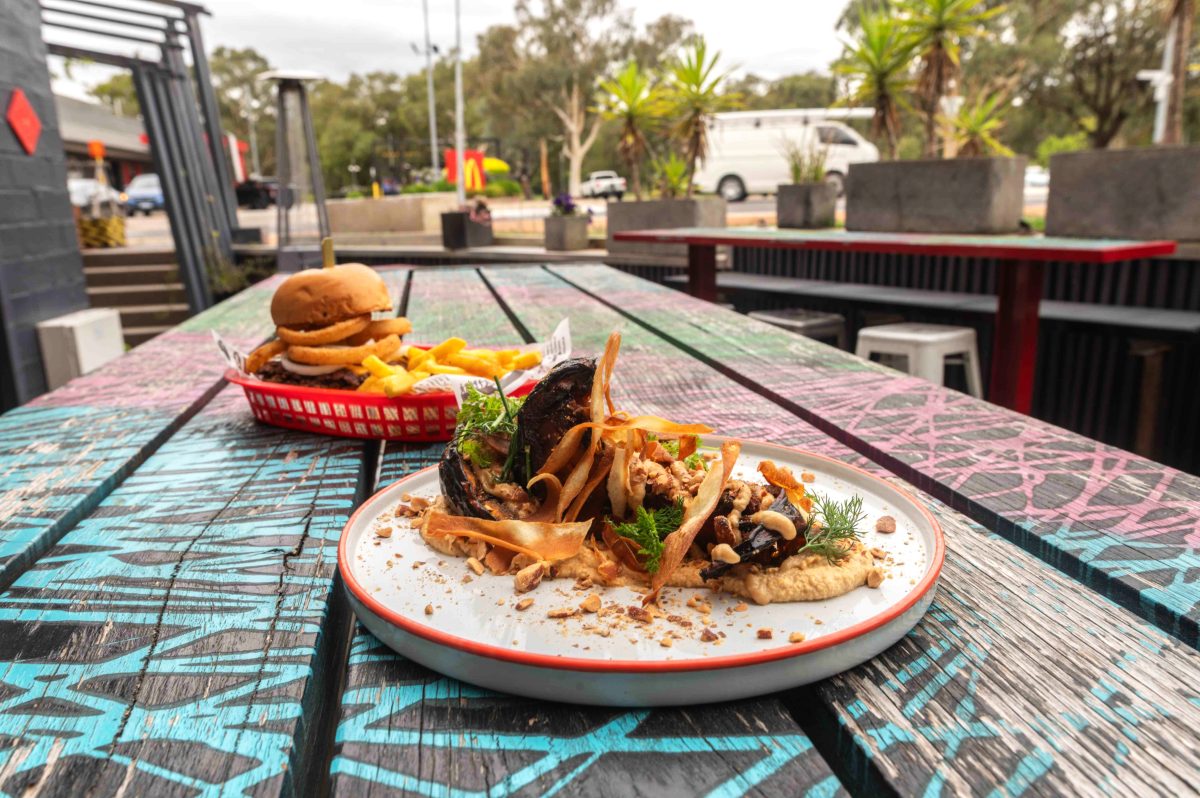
451, 346
526, 360
416, 356
377, 367
397, 384
480, 367
371, 385
434, 367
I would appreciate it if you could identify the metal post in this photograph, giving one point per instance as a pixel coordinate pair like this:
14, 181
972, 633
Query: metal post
460, 132
433, 137
212, 119
314, 164
283, 168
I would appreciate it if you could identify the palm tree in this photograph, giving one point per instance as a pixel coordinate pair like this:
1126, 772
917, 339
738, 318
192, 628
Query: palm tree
877, 63
632, 99
694, 94
975, 128
937, 28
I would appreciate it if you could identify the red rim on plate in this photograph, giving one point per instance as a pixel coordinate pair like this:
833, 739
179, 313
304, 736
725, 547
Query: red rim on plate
637, 666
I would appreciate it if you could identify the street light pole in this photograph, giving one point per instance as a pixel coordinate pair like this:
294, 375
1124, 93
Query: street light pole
460, 133
433, 137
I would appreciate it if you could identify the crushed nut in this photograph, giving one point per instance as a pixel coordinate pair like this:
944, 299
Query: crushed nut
384, 532
609, 570
879, 554
875, 577
429, 609
639, 614
796, 637
591, 603
723, 552
708, 636
529, 577
562, 612
765, 634
475, 565
524, 604
666, 642
741, 607
886, 524
582, 583
807, 476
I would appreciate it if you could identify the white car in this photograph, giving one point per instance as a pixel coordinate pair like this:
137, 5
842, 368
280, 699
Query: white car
603, 184
746, 150
84, 189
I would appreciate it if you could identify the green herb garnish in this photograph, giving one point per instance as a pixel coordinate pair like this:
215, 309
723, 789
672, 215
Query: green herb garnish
487, 414
694, 461
648, 529
838, 527
672, 447
476, 452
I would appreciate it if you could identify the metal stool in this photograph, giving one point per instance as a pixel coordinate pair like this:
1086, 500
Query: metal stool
809, 323
927, 348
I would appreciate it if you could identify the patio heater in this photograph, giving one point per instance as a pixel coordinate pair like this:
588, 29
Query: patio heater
301, 218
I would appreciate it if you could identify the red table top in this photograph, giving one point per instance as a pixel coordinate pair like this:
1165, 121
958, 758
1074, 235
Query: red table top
1078, 250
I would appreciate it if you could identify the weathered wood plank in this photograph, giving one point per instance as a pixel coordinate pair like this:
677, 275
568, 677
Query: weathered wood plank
62, 453
177, 640
1125, 526
406, 730
1016, 680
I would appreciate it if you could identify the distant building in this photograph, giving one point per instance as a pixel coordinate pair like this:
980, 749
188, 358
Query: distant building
127, 148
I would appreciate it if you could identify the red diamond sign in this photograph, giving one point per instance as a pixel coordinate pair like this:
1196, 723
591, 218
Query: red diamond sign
24, 121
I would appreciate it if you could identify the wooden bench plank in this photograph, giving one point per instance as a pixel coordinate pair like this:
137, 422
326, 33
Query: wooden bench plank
1125, 526
62, 453
1181, 322
180, 639
977, 696
405, 729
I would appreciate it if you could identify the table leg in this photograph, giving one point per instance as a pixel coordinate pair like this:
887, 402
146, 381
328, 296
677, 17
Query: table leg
702, 271
1014, 348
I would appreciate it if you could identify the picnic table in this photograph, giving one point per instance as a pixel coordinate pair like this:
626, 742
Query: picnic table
171, 622
1020, 276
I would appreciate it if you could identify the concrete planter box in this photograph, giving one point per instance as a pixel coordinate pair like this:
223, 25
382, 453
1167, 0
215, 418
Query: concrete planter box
661, 214
960, 195
407, 213
459, 232
564, 233
1151, 192
806, 205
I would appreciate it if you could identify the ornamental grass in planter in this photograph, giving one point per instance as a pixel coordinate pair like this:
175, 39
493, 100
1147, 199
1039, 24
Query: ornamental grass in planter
808, 201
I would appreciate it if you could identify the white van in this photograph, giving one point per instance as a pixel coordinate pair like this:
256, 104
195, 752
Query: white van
745, 148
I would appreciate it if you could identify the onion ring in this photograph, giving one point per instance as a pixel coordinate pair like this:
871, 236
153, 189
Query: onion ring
259, 357
380, 328
347, 356
325, 335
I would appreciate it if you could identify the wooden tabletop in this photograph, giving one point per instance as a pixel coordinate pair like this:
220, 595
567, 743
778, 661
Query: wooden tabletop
170, 622
1038, 248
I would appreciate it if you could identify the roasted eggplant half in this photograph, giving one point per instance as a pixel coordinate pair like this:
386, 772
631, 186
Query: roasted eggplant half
762, 545
484, 476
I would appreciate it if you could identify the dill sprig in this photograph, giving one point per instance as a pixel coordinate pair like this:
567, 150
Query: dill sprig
648, 529
838, 528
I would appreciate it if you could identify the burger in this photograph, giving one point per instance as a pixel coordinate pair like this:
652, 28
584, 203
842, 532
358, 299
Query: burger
325, 326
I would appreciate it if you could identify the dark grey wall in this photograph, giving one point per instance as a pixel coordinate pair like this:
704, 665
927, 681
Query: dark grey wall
41, 272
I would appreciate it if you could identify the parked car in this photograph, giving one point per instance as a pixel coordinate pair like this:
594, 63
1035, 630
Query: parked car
603, 184
83, 190
143, 194
257, 192
745, 150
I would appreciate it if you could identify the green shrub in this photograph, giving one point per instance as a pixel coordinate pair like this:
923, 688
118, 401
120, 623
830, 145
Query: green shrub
493, 190
443, 185
1052, 145
354, 195
417, 188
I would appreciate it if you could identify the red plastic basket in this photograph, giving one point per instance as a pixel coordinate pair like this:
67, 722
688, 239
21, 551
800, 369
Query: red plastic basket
350, 414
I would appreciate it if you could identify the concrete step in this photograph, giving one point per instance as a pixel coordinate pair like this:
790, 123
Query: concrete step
117, 296
166, 314
140, 335
157, 274
127, 256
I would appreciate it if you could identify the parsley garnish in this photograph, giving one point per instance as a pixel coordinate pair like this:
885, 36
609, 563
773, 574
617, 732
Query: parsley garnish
694, 461
486, 414
672, 447
838, 527
648, 529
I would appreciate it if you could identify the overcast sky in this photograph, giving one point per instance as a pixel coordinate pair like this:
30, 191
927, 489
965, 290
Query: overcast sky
335, 38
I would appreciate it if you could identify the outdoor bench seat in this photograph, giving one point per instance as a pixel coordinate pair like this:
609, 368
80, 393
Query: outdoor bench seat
1160, 320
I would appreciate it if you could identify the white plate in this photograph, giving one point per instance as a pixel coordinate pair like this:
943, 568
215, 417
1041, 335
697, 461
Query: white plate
475, 633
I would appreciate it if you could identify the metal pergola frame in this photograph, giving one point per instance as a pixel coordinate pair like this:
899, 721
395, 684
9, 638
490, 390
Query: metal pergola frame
179, 111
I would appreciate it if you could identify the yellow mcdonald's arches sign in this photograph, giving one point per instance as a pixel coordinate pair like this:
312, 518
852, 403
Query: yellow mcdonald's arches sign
473, 175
